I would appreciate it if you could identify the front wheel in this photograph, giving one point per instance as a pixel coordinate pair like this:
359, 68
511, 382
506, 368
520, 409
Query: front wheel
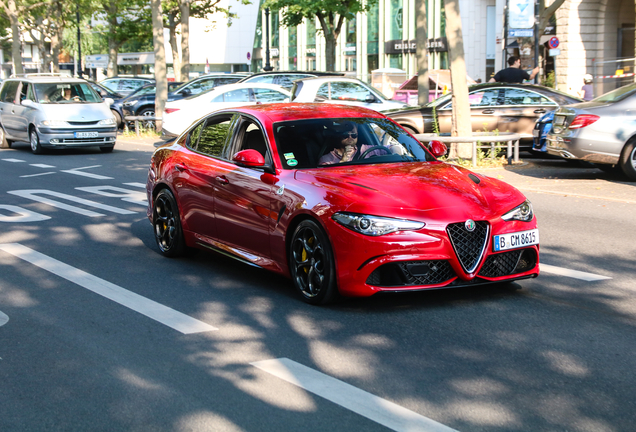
628, 160
36, 147
167, 225
311, 264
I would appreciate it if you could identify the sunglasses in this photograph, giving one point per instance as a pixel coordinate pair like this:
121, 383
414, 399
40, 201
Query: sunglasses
349, 134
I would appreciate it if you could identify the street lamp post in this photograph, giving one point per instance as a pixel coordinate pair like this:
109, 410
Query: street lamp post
267, 67
536, 39
79, 45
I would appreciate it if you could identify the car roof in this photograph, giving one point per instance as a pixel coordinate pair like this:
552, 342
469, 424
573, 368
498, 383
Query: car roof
46, 78
241, 85
289, 111
314, 73
329, 79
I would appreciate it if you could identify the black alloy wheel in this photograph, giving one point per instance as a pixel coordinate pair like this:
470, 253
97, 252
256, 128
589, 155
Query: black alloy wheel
311, 264
167, 225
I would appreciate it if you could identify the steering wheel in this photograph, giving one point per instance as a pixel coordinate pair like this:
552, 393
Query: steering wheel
373, 148
76, 98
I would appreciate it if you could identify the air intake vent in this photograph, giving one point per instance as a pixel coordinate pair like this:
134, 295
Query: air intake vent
469, 245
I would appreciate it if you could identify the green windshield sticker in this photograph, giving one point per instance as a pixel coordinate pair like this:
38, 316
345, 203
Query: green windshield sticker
292, 162
289, 156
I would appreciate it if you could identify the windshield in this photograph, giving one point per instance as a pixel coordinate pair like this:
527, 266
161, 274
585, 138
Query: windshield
56, 93
352, 141
617, 95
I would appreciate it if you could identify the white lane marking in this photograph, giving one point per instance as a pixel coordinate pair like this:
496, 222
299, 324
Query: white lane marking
3, 318
135, 184
24, 215
32, 195
37, 175
127, 195
589, 277
13, 160
156, 311
77, 171
365, 404
42, 165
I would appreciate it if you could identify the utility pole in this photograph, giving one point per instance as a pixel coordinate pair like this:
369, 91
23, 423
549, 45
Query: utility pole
536, 39
79, 44
267, 67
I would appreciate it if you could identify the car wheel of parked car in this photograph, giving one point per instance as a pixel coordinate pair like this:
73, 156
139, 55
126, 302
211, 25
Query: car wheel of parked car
107, 149
628, 160
4, 142
118, 120
36, 148
168, 231
148, 112
311, 264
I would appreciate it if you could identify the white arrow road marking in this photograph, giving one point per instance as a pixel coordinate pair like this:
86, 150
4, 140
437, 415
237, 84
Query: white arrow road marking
589, 277
127, 195
37, 175
77, 171
3, 318
42, 165
365, 404
13, 160
32, 195
156, 311
24, 215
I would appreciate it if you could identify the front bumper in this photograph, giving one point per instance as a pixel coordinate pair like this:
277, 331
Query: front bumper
571, 146
68, 137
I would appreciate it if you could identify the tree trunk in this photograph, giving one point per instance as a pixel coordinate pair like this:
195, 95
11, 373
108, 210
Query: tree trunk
172, 39
331, 32
184, 7
421, 38
160, 60
113, 46
56, 41
16, 51
461, 122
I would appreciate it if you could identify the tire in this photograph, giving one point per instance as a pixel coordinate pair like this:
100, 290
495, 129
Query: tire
36, 147
4, 142
167, 225
107, 149
118, 119
311, 264
148, 112
627, 161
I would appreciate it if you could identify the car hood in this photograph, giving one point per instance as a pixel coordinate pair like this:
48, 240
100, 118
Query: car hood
76, 111
426, 190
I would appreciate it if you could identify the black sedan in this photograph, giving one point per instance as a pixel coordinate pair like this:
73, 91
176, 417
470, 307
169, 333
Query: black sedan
493, 106
105, 92
142, 102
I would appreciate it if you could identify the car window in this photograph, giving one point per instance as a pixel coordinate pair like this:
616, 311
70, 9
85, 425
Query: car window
193, 136
287, 81
75, 92
23, 90
517, 96
268, 95
251, 137
8, 91
224, 80
128, 85
266, 79
200, 85
146, 90
238, 95
31, 94
214, 136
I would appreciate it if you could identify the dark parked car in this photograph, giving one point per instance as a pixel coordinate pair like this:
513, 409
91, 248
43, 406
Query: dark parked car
126, 85
284, 78
142, 102
105, 92
202, 84
494, 106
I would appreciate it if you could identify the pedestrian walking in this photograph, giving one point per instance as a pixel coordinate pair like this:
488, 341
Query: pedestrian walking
587, 92
514, 74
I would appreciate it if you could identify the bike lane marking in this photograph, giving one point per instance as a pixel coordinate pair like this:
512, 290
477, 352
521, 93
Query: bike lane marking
588, 277
156, 311
379, 410
77, 171
3, 318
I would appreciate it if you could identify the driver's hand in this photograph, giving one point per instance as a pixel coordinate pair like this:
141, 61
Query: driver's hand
348, 153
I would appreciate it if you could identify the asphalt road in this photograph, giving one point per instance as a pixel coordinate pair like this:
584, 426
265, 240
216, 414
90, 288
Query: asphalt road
98, 332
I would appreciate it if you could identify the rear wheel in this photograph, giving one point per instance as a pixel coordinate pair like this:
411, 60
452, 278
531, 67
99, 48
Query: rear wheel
167, 225
118, 120
628, 160
4, 142
36, 147
148, 112
311, 264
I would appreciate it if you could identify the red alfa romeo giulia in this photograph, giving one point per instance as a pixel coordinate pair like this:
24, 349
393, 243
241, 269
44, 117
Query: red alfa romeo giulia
340, 199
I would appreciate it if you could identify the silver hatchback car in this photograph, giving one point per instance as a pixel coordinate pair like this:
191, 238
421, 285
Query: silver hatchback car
55, 111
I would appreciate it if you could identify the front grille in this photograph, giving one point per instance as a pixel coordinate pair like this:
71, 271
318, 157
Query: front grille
83, 123
85, 140
469, 246
412, 273
507, 263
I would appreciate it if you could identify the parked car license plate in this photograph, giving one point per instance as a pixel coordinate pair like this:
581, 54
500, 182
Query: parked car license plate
86, 134
515, 240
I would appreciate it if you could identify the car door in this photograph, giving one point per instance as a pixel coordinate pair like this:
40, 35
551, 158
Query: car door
348, 93
521, 109
196, 169
8, 118
22, 113
483, 112
243, 195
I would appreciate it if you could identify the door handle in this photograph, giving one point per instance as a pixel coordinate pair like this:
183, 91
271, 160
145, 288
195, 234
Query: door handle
222, 179
488, 111
539, 111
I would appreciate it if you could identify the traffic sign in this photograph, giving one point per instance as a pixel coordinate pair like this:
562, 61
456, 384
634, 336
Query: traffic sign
554, 42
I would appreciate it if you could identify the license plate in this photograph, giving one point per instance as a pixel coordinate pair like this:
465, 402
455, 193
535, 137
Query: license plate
535, 133
515, 240
86, 134
559, 120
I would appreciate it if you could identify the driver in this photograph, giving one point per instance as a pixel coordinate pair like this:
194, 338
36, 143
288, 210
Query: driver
346, 146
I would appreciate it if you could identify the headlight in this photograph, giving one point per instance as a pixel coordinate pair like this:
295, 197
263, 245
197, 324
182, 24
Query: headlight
108, 121
55, 123
523, 212
130, 103
375, 225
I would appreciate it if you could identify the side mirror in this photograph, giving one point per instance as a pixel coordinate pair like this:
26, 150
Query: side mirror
438, 148
186, 92
109, 101
249, 158
27, 103
370, 98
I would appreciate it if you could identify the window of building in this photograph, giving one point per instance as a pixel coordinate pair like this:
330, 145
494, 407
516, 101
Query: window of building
258, 37
395, 20
292, 51
275, 24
